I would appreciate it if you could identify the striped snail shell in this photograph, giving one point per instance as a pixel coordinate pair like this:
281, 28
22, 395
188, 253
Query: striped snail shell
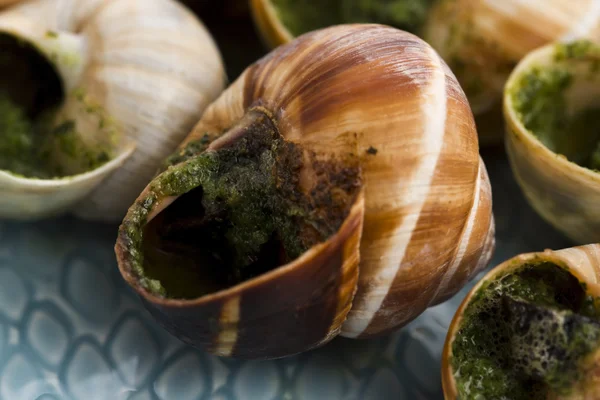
530, 329
115, 76
370, 152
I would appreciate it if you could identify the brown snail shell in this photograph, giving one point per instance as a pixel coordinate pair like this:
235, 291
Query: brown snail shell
387, 98
582, 263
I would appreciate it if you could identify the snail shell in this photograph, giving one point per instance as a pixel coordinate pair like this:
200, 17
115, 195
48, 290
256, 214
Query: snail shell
583, 265
385, 97
551, 163
110, 59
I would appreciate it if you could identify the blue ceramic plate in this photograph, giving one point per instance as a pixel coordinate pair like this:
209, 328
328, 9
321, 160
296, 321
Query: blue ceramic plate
71, 329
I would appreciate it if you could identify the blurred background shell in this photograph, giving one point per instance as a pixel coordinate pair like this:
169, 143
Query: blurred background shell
551, 106
124, 72
480, 40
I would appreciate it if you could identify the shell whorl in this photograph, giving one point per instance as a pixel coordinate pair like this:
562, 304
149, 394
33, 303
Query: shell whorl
154, 99
357, 87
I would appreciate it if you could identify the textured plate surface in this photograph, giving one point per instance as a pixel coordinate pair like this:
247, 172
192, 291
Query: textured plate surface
71, 329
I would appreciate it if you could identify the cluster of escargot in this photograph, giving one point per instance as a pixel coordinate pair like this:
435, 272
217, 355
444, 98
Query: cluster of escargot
335, 188
94, 95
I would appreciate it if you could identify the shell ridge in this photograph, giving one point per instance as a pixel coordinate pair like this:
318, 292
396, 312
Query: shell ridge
465, 238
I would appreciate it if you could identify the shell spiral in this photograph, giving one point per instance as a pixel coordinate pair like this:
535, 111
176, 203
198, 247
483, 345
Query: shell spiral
386, 95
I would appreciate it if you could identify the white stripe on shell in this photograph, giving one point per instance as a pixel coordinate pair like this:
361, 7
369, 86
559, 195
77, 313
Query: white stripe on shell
464, 240
227, 339
583, 27
434, 117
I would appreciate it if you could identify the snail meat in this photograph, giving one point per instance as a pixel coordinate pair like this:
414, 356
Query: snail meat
530, 329
352, 144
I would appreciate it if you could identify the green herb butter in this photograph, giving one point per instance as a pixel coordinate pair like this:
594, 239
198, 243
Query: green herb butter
36, 142
539, 99
300, 16
523, 333
239, 213
19, 142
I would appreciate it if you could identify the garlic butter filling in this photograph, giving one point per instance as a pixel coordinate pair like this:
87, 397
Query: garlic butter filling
559, 103
239, 211
525, 334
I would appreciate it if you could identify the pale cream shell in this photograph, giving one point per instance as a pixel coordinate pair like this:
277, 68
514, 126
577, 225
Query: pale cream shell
562, 192
583, 262
151, 67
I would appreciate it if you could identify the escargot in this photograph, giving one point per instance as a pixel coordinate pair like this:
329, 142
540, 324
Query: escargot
83, 83
334, 188
530, 329
552, 112
480, 40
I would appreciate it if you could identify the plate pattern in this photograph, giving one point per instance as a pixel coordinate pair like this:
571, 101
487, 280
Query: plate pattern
71, 329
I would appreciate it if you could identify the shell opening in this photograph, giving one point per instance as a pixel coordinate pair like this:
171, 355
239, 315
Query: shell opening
29, 90
526, 334
238, 210
557, 99
39, 137
307, 15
